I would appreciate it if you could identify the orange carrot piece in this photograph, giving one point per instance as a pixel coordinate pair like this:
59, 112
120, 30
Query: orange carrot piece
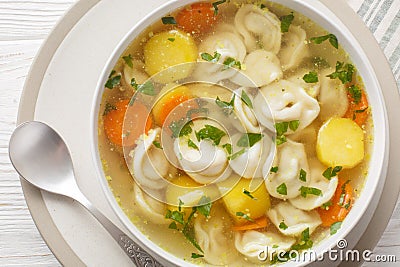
135, 123
341, 204
259, 223
358, 111
198, 18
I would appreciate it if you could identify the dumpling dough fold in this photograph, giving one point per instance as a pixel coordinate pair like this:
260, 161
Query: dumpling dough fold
295, 220
259, 28
149, 164
150, 208
295, 48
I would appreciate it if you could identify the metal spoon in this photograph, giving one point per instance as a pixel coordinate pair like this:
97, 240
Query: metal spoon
42, 158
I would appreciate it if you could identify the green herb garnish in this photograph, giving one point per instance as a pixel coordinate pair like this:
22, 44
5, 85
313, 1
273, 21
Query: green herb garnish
311, 77
247, 193
246, 99
283, 226
294, 125
227, 107
230, 62
249, 139
304, 191
210, 58
237, 154
282, 189
196, 256
128, 60
331, 172
244, 216
168, 20
192, 144
281, 128
344, 72
286, 21
180, 128
280, 140
335, 227
228, 148
171, 40
113, 80
216, 4
210, 132
331, 37
355, 93
303, 175
274, 169
204, 206
147, 88
157, 144
108, 108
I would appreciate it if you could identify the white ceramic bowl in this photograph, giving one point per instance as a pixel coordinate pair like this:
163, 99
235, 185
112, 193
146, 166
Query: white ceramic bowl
363, 209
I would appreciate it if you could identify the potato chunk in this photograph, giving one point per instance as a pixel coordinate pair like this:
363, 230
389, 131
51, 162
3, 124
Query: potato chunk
340, 143
241, 201
168, 49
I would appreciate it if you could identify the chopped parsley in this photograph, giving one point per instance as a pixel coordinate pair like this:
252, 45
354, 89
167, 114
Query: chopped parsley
244, 216
168, 20
331, 37
335, 227
304, 243
282, 189
204, 206
180, 128
274, 169
304, 191
311, 77
303, 175
355, 93
228, 148
216, 4
134, 84
282, 128
210, 58
196, 256
157, 144
326, 205
210, 132
294, 125
171, 40
230, 62
344, 72
113, 80
246, 99
128, 60
108, 108
331, 172
247, 193
236, 154
283, 226
249, 139
227, 107
192, 144
286, 21
147, 88
280, 140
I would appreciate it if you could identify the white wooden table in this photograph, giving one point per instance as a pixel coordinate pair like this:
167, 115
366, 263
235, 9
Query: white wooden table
24, 24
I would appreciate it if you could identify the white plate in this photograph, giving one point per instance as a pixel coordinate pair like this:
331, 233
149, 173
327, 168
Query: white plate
60, 90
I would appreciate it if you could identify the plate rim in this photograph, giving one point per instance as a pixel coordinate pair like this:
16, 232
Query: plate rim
51, 235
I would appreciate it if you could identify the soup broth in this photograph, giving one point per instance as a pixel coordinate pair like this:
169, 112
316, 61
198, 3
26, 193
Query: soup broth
231, 131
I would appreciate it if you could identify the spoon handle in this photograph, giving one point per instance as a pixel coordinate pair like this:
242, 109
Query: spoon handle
135, 252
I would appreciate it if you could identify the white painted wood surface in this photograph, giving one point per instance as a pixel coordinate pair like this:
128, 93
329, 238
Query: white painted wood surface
24, 24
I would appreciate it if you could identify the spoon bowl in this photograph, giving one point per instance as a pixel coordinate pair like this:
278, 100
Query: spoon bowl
41, 157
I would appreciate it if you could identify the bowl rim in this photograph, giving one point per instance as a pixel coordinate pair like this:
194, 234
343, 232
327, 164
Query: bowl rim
323, 16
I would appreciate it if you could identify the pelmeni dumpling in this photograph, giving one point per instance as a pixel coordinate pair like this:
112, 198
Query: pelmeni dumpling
294, 48
250, 163
243, 111
295, 220
259, 28
291, 158
312, 89
149, 164
212, 238
327, 187
152, 209
332, 97
307, 137
254, 244
227, 44
287, 101
137, 72
259, 68
202, 160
